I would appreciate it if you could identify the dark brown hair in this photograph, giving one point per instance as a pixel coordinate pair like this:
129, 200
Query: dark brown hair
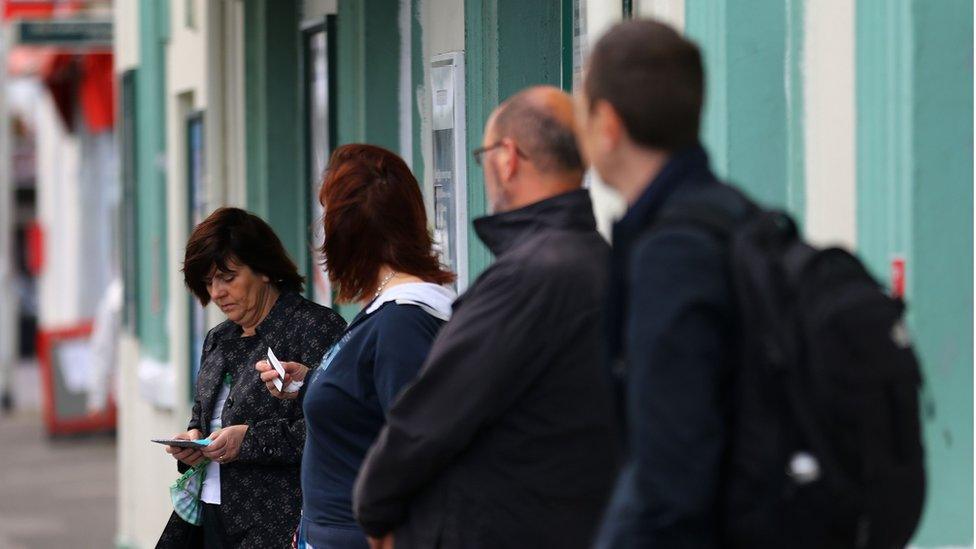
232, 234
653, 78
374, 214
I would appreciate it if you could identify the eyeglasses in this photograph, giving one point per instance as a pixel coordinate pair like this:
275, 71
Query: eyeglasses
479, 153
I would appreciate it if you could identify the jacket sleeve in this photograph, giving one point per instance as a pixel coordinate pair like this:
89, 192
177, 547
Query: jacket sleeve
677, 340
281, 440
195, 412
194, 416
277, 441
482, 360
194, 422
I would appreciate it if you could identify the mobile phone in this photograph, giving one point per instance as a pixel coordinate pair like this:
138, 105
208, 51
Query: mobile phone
181, 443
276, 364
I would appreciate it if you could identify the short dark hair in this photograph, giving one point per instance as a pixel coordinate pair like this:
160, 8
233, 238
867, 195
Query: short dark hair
549, 143
234, 235
653, 78
374, 214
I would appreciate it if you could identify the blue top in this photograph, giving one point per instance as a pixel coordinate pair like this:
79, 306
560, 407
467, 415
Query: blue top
346, 402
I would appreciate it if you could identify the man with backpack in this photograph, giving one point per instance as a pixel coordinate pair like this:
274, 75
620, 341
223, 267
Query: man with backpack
769, 389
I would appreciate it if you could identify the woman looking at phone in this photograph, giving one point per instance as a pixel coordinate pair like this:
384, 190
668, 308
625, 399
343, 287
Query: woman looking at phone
251, 495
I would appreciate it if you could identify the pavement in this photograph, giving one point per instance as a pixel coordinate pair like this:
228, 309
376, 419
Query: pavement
54, 493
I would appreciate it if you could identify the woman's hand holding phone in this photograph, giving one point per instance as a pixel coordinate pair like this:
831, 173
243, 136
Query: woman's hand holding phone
293, 372
189, 456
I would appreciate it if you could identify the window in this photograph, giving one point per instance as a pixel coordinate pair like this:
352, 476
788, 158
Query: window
318, 45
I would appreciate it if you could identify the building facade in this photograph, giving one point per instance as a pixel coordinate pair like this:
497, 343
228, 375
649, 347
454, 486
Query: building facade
855, 117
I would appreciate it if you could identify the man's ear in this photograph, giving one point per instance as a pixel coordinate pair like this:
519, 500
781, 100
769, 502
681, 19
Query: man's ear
608, 124
509, 160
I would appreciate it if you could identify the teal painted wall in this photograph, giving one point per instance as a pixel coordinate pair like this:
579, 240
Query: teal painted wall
883, 106
915, 198
753, 118
943, 245
509, 45
153, 263
276, 186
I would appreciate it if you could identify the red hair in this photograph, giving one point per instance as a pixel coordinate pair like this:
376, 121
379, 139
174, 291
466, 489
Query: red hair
374, 215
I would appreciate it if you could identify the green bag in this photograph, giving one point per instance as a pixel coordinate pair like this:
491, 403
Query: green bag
185, 493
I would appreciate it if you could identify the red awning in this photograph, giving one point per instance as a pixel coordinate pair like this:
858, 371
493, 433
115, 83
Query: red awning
59, 76
82, 80
98, 92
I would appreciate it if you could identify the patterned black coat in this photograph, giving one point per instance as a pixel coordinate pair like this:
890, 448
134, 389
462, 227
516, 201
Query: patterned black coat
260, 491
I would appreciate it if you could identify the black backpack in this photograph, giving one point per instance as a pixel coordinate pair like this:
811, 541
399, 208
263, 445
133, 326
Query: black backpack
825, 445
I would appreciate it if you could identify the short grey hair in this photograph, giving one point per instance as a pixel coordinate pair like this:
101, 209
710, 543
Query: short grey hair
550, 144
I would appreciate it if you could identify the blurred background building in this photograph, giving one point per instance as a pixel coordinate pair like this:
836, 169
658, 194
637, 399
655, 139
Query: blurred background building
857, 117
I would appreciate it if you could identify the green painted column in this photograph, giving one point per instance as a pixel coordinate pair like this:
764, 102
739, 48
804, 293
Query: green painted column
883, 106
152, 262
368, 53
915, 195
368, 82
418, 89
276, 186
753, 116
510, 45
943, 246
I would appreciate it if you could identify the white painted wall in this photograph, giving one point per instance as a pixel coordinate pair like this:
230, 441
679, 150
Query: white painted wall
317, 9
601, 15
145, 471
443, 26
125, 16
607, 204
671, 12
58, 194
829, 123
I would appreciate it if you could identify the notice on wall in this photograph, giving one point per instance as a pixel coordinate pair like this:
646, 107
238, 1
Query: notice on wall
74, 363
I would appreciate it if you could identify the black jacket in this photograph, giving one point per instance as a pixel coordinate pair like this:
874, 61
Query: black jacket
260, 492
670, 339
505, 437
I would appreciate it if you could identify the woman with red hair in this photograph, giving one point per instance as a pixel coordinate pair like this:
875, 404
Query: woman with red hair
379, 253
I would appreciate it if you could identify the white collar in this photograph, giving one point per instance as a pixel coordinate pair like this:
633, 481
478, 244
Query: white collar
435, 300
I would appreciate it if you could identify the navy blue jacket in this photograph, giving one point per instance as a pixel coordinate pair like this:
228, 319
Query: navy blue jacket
670, 321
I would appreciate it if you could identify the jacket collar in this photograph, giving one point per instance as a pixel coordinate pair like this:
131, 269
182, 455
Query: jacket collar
283, 308
686, 164
572, 210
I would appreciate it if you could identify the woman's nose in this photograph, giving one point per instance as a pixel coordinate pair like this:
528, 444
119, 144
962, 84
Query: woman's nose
216, 290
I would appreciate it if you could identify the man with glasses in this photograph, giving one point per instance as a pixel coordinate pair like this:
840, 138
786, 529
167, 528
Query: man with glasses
504, 439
